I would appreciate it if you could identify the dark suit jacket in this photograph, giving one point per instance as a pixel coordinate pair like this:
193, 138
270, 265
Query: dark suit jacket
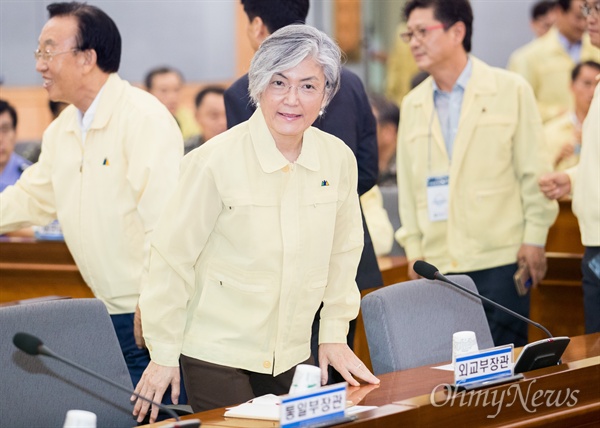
349, 117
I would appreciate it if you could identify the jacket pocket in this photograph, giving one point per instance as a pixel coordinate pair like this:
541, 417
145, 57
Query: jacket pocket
240, 280
317, 278
318, 223
496, 217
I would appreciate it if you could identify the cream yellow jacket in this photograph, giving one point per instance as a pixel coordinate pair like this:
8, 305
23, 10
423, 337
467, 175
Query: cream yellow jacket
249, 247
495, 203
187, 122
107, 193
559, 132
547, 67
378, 221
585, 177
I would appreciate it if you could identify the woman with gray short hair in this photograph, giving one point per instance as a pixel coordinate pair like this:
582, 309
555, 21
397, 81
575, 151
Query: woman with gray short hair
264, 226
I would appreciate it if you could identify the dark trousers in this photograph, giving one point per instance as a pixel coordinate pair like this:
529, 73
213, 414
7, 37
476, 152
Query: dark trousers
137, 359
211, 386
591, 289
497, 284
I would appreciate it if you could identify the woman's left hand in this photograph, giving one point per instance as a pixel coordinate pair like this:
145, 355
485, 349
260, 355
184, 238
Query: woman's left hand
341, 358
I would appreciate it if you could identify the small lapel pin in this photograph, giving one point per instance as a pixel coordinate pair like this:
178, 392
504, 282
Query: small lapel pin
324, 183
105, 162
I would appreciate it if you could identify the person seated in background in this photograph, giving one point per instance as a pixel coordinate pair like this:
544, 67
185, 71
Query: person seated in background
547, 62
543, 16
12, 165
563, 134
233, 288
10, 172
165, 83
210, 116
387, 115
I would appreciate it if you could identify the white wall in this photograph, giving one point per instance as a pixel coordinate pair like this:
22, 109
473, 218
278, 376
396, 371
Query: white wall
499, 27
195, 36
198, 36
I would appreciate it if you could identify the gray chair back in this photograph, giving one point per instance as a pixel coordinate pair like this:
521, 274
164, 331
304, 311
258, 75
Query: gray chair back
410, 324
390, 203
37, 391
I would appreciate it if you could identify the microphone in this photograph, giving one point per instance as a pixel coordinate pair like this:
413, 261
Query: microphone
34, 346
429, 271
543, 353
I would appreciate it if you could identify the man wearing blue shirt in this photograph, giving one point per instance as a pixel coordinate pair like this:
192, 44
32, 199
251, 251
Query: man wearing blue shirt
468, 159
11, 164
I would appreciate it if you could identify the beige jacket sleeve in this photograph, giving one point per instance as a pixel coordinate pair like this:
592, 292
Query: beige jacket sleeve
178, 240
378, 221
530, 162
31, 200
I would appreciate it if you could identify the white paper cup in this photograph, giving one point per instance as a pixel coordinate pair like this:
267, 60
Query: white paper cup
463, 342
80, 419
306, 377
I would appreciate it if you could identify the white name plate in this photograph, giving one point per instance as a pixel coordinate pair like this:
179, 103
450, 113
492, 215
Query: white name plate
314, 407
485, 365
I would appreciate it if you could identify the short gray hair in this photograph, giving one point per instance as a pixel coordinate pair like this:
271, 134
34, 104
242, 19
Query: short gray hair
288, 47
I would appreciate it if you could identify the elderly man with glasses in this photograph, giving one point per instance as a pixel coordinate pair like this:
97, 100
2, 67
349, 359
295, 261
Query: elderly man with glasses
468, 161
108, 164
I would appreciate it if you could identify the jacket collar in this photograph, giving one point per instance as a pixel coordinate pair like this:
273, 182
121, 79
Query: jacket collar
111, 93
481, 84
269, 157
478, 94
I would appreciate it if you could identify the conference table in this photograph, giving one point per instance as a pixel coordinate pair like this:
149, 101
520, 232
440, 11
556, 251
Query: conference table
557, 396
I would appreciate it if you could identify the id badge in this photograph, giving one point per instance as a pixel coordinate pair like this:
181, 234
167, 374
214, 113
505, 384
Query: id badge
437, 197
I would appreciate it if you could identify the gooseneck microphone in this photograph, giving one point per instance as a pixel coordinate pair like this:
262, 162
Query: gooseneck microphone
429, 271
34, 346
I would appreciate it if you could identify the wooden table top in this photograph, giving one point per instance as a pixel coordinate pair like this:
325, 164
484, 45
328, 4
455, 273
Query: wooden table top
401, 393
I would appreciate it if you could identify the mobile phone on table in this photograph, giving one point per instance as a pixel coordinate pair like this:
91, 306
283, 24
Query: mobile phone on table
523, 280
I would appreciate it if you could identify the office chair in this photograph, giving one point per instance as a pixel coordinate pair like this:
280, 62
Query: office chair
38, 391
410, 324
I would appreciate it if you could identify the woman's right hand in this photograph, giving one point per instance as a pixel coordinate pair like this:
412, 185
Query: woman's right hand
153, 384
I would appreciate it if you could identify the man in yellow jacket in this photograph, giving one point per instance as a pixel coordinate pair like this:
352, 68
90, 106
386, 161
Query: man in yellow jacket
468, 162
166, 84
584, 181
563, 133
108, 166
546, 62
